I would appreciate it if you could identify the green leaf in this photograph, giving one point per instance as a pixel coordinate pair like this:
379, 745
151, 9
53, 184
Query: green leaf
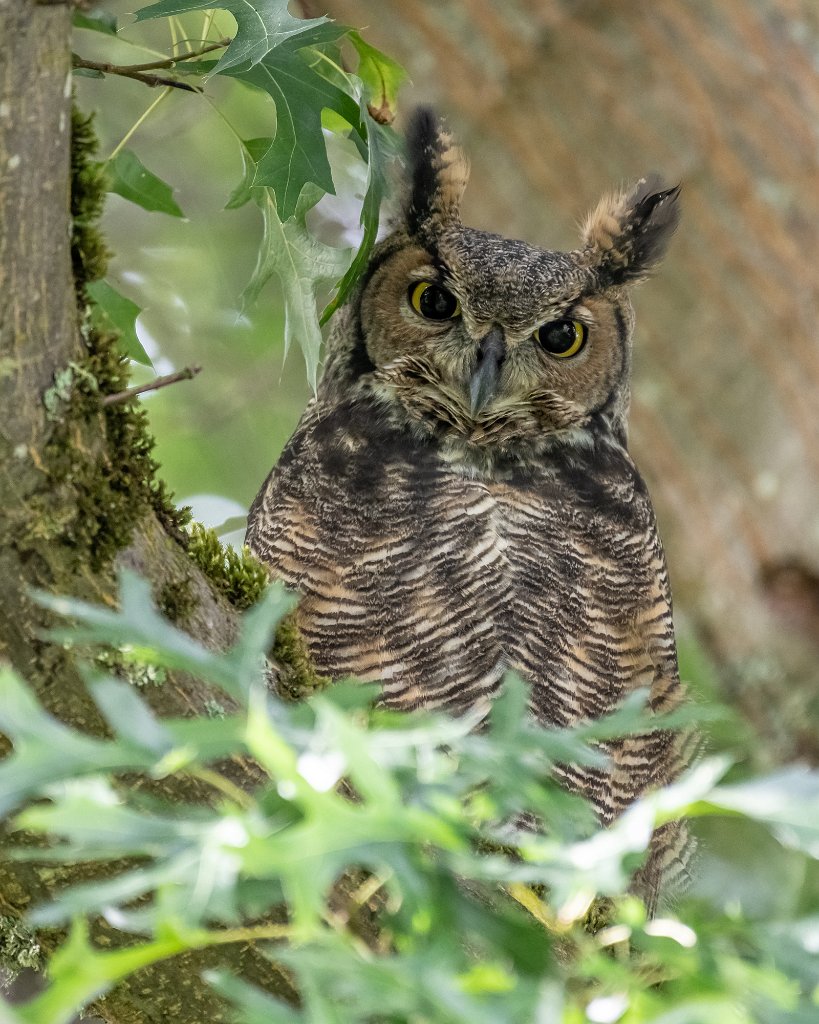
97, 20
45, 750
427, 983
111, 310
130, 717
152, 639
298, 154
787, 802
78, 973
97, 896
252, 150
382, 78
129, 178
378, 149
140, 625
300, 262
260, 25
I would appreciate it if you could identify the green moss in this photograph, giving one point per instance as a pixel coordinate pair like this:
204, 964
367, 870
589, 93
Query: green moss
131, 471
237, 574
101, 473
297, 673
215, 709
599, 915
176, 600
99, 476
57, 398
19, 947
89, 254
137, 673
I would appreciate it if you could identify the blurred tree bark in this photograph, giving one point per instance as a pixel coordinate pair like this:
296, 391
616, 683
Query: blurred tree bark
557, 101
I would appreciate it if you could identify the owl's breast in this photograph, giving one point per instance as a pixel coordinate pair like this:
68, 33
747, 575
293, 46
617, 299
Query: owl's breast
415, 573
579, 571
397, 555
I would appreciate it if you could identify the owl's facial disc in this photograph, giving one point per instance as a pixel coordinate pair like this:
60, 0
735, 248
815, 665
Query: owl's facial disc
484, 381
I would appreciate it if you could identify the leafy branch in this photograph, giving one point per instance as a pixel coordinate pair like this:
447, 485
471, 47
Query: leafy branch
298, 66
392, 904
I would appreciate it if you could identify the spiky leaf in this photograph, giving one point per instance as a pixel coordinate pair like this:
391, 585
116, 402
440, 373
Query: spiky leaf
298, 154
301, 262
260, 26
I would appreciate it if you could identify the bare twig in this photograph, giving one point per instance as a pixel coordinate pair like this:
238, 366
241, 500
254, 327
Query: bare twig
159, 382
137, 71
169, 62
151, 80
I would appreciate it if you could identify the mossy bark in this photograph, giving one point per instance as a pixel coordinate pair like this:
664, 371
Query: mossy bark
78, 496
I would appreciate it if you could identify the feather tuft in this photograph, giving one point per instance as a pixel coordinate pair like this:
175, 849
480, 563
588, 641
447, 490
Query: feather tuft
627, 233
437, 174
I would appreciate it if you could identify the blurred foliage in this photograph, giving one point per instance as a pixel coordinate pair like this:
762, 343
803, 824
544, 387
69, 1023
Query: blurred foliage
458, 912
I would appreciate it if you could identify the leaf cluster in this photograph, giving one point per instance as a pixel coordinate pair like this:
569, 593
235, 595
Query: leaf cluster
301, 67
387, 861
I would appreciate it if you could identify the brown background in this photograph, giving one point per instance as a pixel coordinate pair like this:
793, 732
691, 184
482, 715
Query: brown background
556, 102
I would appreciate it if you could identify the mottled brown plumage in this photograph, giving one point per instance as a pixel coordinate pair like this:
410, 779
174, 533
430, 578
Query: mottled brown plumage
458, 500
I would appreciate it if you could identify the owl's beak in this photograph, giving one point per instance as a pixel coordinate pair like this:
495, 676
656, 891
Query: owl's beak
484, 380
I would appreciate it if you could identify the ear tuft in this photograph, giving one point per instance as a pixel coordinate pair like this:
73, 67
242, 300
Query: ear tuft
437, 174
628, 233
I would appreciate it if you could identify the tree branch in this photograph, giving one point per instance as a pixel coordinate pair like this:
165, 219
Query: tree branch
188, 373
136, 71
137, 76
155, 65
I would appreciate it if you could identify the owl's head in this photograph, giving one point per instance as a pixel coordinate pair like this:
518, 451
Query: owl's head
493, 342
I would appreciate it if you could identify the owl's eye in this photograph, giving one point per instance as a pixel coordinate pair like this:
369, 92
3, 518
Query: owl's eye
561, 338
432, 301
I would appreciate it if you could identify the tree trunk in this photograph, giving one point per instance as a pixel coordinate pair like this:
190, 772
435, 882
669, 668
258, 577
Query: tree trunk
77, 496
558, 101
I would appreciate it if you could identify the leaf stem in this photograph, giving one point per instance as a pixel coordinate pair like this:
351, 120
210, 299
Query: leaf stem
257, 933
181, 38
225, 786
172, 28
139, 121
336, 67
153, 65
206, 27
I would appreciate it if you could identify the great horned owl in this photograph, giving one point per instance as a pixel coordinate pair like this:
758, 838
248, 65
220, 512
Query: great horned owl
458, 499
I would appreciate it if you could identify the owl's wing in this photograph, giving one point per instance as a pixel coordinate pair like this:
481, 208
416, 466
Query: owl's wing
650, 760
591, 621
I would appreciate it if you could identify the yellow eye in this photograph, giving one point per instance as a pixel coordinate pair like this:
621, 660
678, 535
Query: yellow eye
432, 301
561, 338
